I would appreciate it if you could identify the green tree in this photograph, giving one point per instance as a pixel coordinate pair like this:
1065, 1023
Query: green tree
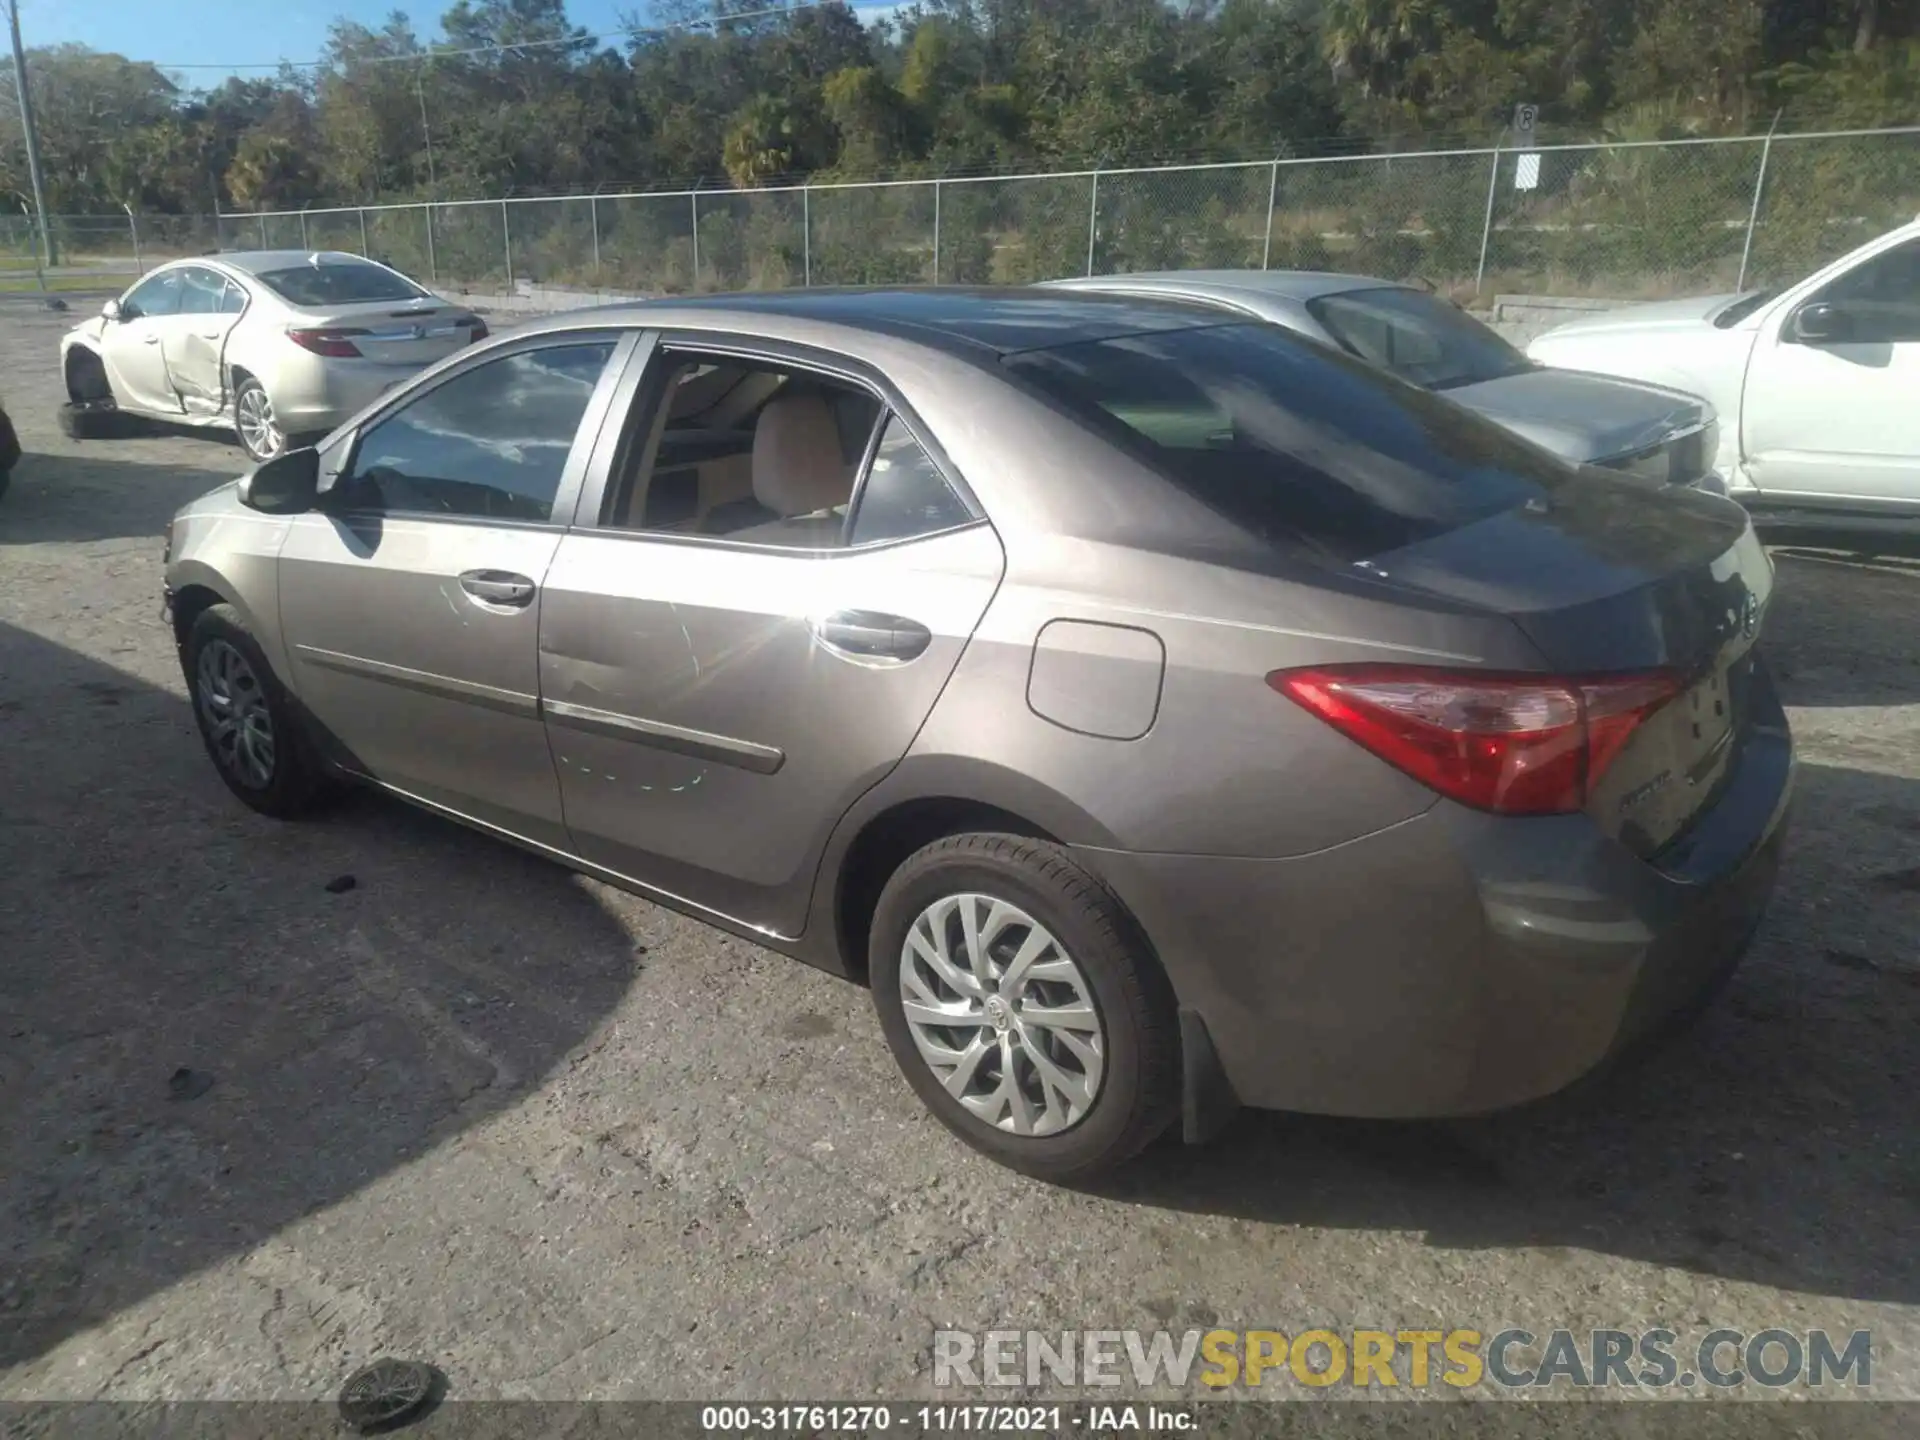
275, 164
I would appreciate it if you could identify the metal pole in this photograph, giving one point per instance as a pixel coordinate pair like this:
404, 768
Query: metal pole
806, 233
1093, 219
1273, 190
39, 271
262, 218
31, 136
1753, 215
426, 131
695, 198
506, 236
936, 232
1486, 225
303, 228
593, 215
364, 246
133, 229
433, 263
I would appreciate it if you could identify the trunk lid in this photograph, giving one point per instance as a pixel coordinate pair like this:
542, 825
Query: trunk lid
1614, 575
396, 332
1583, 417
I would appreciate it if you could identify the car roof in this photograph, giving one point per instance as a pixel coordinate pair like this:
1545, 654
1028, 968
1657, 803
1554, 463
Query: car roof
1004, 320
1225, 284
257, 262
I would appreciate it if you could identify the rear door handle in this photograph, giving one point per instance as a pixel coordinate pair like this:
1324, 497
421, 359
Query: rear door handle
498, 587
149, 339
872, 634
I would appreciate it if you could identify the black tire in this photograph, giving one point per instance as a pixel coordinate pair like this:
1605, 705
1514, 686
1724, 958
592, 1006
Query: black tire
243, 394
295, 779
96, 420
1139, 1093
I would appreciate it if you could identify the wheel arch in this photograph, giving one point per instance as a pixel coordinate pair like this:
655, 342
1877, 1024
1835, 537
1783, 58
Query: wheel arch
79, 354
194, 587
924, 800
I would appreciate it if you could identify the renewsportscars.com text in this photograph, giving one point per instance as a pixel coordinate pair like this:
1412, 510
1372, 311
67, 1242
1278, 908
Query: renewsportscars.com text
1460, 1359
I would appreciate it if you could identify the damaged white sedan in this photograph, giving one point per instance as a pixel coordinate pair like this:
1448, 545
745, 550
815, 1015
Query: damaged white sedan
275, 345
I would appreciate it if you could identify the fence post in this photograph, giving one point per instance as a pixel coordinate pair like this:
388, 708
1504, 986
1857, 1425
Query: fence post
263, 229
303, 228
806, 234
364, 246
1273, 191
1486, 225
506, 235
1093, 218
133, 230
1753, 215
433, 262
694, 197
593, 217
936, 231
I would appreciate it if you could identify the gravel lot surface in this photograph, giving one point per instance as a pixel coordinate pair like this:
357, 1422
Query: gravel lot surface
567, 1145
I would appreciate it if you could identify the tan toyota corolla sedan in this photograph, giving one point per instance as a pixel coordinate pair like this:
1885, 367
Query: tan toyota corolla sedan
1160, 710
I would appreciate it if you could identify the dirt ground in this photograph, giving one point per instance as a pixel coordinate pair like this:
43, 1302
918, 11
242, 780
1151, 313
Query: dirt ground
566, 1145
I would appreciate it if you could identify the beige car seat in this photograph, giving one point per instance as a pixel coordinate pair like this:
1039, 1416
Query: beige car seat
799, 474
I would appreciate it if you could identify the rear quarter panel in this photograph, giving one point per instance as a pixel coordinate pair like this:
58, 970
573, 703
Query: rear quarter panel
1227, 766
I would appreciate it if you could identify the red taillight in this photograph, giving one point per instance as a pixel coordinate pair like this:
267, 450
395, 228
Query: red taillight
336, 343
479, 331
1515, 744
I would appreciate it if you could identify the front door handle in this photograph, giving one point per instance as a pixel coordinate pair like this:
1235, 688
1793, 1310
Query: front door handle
498, 587
871, 634
149, 339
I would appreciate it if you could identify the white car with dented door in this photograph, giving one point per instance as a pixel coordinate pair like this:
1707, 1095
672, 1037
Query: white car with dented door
273, 344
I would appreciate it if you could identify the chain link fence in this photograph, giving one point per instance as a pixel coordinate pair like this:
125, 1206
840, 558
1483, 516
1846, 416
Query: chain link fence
1624, 221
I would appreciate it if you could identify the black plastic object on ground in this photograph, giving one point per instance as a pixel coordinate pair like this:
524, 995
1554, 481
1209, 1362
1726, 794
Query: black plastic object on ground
187, 1084
387, 1394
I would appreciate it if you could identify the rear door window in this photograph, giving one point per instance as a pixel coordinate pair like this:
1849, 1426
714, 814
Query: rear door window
1308, 450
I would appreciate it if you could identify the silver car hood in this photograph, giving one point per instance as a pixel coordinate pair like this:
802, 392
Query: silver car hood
1584, 417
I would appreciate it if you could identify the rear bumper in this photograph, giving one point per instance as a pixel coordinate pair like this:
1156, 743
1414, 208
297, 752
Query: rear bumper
318, 396
1458, 962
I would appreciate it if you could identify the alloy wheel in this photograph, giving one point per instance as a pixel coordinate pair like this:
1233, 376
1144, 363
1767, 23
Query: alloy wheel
233, 708
259, 429
1002, 1014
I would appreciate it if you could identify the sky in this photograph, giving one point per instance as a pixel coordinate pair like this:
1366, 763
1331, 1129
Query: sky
251, 37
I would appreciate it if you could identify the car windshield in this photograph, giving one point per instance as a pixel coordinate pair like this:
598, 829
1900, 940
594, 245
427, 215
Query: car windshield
1417, 336
339, 282
1307, 450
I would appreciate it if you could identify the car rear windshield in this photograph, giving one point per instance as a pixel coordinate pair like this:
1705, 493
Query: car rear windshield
339, 282
1305, 448
1417, 336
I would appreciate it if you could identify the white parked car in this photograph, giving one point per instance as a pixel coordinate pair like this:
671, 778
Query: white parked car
272, 343
1817, 383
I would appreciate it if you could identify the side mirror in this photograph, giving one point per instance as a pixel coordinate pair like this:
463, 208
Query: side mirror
1822, 323
285, 485
111, 311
